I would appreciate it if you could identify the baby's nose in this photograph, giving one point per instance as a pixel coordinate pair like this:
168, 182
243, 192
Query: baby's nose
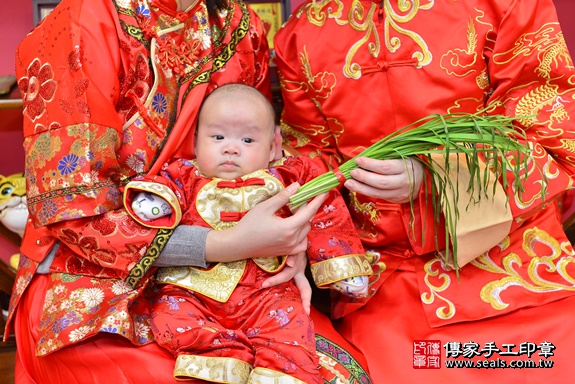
231, 148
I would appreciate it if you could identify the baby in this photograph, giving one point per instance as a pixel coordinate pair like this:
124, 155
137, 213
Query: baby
220, 315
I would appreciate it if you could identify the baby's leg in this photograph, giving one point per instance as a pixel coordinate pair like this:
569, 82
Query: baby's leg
283, 338
203, 348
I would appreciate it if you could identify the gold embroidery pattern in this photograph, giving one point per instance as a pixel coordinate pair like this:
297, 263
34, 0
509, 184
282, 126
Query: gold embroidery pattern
329, 271
365, 210
460, 62
213, 200
225, 53
549, 45
217, 283
547, 42
522, 199
156, 189
362, 20
302, 139
534, 282
409, 10
318, 86
212, 369
270, 264
315, 11
448, 310
516, 273
543, 98
482, 80
368, 209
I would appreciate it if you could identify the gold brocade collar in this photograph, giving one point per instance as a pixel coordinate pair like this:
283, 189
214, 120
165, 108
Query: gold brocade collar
234, 197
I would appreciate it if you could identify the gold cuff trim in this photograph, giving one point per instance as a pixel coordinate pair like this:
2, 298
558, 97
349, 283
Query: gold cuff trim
267, 376
159, 190
329, 271
212, 369
271, 264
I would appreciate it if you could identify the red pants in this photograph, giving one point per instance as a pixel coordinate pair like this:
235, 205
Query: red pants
265, 328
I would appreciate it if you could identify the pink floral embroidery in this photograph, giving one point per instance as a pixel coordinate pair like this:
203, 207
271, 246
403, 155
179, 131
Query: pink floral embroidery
38, 88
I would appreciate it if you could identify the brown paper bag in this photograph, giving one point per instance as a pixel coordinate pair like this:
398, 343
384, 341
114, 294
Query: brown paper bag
482, 223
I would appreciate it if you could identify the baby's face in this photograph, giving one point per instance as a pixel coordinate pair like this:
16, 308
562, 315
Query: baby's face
234, 137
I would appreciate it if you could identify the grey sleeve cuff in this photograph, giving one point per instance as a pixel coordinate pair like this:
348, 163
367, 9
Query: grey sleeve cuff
186, 247
44, 266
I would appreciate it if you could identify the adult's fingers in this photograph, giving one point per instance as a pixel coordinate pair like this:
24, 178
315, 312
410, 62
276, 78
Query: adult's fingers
306, 212
396, 181
295, 263
302, 283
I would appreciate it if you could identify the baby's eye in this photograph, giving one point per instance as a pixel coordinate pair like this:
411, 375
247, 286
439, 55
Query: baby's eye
218, 137
248, 140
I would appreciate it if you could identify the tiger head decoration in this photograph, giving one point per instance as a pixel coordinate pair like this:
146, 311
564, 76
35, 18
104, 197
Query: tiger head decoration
13, 209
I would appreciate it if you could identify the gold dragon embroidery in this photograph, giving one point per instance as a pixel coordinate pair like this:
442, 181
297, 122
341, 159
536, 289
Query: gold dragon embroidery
368, 209
549, 45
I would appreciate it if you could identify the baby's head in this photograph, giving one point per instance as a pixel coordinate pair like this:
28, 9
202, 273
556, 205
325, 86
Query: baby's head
236, 131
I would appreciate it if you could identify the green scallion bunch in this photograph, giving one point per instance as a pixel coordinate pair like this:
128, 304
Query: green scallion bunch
469, 135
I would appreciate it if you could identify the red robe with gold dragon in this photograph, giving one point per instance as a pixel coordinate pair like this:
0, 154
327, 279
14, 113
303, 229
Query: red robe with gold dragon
354, 71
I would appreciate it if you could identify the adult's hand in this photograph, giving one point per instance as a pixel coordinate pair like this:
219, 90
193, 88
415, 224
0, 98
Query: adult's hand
396, 181
261, 233
294, 269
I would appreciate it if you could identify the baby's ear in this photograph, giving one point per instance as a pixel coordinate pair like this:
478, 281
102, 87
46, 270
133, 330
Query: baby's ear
276, 152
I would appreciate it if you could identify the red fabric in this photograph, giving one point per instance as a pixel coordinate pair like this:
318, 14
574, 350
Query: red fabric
101, 359
391, 63
398, 320
263, 327
87, 133
107, 358
83, 95
332, 233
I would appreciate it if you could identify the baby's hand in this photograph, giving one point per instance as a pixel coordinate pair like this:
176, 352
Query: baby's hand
148, 206
353, 286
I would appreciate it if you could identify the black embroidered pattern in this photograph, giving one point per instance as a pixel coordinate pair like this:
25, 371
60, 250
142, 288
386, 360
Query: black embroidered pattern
75, 190
226, 53
136, 33
139, 271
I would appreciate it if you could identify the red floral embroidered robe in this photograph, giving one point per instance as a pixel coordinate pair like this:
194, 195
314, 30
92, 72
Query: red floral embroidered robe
107, 87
